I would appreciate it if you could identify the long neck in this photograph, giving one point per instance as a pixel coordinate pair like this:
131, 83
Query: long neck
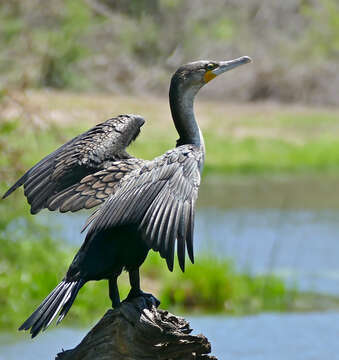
181, 102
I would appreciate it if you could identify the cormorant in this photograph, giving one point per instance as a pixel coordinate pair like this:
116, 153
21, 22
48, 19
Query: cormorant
145, 204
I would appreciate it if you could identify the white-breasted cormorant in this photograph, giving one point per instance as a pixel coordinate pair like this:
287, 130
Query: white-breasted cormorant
144, 204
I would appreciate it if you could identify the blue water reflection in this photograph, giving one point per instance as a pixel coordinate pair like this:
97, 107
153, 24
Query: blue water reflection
310, 336
300, 245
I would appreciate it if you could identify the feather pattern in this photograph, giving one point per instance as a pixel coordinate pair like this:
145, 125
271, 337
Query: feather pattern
160, 197
83, 172
59, 300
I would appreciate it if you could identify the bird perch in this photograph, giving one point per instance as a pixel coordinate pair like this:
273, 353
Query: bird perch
137, 330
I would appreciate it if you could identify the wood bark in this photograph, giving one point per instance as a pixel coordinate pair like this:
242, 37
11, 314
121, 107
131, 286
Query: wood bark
137, 330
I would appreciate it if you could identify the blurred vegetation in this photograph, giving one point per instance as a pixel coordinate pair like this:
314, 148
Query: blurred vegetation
133, 46
213, 285
271, 140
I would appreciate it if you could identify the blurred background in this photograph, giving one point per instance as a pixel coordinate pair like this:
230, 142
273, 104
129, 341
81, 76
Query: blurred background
266, 280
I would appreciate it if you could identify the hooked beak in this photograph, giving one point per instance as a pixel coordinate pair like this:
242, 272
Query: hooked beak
225, 66
228, 65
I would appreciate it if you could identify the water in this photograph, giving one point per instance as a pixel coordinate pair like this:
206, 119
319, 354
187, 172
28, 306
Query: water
273, 336
312, 336
301, 246
286, 226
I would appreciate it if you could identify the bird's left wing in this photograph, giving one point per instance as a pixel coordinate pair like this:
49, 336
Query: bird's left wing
66, 178
93, 189
160, 198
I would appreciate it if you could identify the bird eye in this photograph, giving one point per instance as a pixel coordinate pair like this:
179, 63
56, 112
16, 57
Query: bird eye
210, 66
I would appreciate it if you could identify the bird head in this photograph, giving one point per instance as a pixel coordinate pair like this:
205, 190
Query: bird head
185, 84
196, 74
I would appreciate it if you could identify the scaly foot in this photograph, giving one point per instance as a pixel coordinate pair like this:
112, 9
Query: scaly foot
151, 299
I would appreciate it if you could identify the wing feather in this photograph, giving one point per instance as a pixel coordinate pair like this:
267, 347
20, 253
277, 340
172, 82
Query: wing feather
180, 239
155, 236
78, 204
61, 172
165, 224
151, 231
160, 198
171, 237
190, 231
34, 180
170, 234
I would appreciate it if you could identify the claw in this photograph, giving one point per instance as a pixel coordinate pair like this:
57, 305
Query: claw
150, 298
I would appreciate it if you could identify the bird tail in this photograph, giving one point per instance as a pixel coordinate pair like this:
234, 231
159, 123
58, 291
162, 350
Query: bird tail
59, 300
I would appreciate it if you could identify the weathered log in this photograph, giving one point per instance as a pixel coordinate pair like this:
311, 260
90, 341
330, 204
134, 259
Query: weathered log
137, 330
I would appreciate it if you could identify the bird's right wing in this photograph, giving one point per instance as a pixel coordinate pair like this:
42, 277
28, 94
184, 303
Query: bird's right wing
160, 197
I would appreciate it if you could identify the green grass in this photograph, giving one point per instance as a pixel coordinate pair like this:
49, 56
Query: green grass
240, 139
250, 156
213, 285
23, 145
32, 264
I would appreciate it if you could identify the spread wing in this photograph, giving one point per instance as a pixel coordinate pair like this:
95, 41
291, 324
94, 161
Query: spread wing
93, 189
82, 173
160, 197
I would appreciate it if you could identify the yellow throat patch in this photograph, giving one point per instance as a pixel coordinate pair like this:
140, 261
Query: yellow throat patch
209, 76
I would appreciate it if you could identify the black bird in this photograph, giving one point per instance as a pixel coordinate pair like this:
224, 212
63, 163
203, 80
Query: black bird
145, 204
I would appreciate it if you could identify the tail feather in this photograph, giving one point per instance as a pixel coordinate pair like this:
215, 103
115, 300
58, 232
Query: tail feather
68, 303
38, 312
62, 297
51, 311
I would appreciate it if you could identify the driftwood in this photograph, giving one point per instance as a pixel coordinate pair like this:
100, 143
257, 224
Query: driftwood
137, 330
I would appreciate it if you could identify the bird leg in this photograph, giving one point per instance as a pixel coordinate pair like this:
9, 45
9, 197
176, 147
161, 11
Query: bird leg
114, 291
134, 279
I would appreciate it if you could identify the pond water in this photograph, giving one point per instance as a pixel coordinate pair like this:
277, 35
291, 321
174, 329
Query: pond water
311, 336
286, 226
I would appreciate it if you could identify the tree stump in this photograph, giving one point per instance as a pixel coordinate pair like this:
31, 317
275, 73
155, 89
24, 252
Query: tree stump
137, 330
